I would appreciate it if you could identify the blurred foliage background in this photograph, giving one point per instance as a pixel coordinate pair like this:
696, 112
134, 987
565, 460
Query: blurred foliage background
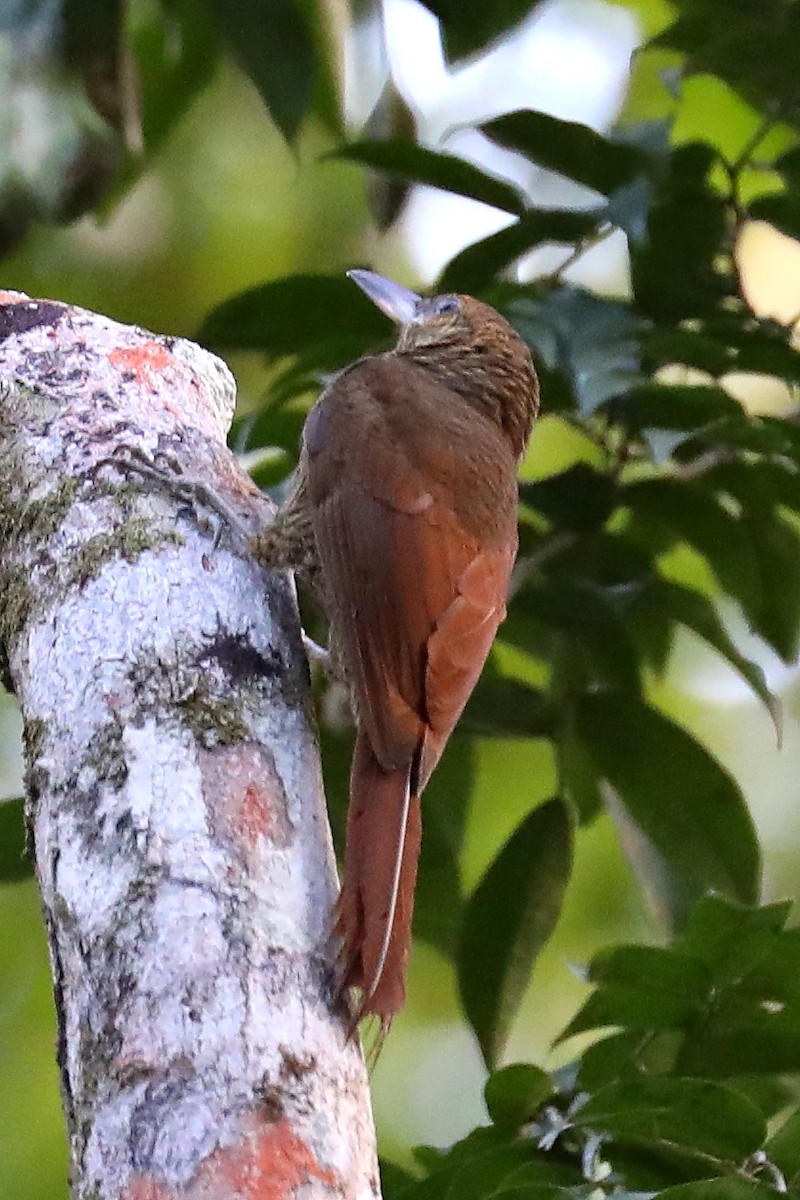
210, 168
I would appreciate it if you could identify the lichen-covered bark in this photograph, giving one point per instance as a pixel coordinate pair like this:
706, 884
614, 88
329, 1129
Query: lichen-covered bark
175, 801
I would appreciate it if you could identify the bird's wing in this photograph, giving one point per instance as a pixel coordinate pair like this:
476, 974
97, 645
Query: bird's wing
415, 522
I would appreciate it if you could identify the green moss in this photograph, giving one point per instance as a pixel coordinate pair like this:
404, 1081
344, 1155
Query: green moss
125, 494
129, 540
214, 720
106, 756
37, 519
16, 602
33, 736
187, 691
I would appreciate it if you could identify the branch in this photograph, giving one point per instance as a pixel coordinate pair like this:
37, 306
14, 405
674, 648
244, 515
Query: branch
175, 802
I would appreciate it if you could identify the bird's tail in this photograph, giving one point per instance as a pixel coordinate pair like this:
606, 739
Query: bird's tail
377, 900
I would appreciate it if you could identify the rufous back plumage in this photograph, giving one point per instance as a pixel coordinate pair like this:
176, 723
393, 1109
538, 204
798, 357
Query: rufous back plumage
404, 517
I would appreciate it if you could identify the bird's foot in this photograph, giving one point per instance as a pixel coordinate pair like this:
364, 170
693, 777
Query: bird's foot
196, 494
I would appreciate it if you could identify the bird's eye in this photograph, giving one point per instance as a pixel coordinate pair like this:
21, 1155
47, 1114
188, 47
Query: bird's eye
446, 304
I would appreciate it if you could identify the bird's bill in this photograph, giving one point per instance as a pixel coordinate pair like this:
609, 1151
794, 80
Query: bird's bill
398, 303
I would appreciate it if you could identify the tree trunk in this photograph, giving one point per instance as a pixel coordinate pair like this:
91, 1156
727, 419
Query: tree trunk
175, 803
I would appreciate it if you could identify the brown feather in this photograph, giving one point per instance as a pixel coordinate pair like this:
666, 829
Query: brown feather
416, 543
384, 829
407, 479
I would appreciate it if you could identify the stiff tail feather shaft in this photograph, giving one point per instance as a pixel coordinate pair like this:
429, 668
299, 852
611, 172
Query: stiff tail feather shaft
377, 899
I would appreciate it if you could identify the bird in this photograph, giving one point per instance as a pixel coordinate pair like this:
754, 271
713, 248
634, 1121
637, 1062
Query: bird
402, 521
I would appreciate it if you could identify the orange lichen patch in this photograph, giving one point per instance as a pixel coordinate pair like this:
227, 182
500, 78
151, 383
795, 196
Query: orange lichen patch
142, 1187
12, 297
245, 796
269, 1162
145, 361
253, 815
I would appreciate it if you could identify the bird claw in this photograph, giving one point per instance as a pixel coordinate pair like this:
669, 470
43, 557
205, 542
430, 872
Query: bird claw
195, 493
316, 653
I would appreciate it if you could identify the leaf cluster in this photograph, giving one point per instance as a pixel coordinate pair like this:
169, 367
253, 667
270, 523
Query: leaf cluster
685, 1094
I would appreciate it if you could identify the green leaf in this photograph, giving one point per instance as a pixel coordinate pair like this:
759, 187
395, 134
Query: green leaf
514, 1094
692, 1115
763, 435
573, 150
272, 470
694, 515
529, 1191
629, 209
469, 26
278, 427
788, 165
408, 160
786, 430
697, 613
653, 630
272, 40
474, 268
782, 211
628, 1055
777, 547
675, 268
666, 406
577, 774
689, 813
390, 119
766, 1042
730, 1187
508, 920
759, 484
594, 341
326, 99
395, 1182
594, 642
783, 1148
484, 1164
177, 54
773, 1094
732, 938
757, 487
439, 901
580, 498
643, 987
763, 347
504, 707
750, 48
297, 314
671, 344
15, 862
724, 1003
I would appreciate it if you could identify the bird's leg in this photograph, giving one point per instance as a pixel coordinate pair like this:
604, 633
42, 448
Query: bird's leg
193, 492
316, 653
289, 542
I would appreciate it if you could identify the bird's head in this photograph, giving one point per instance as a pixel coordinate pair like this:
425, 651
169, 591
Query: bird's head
468, 345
